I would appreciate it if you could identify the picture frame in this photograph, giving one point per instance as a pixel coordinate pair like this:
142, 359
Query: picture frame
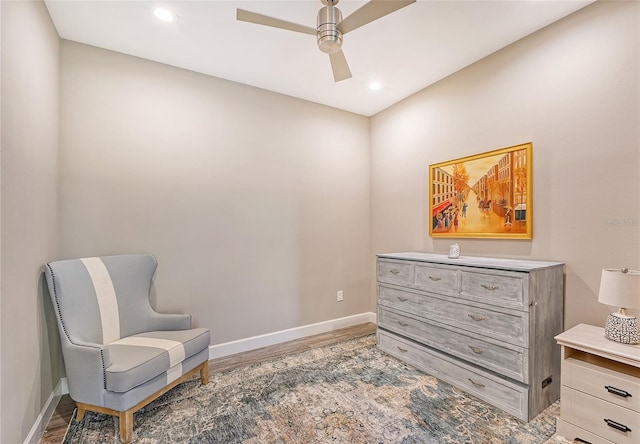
487, 195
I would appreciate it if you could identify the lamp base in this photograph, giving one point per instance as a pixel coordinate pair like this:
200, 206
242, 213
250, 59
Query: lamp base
622, 329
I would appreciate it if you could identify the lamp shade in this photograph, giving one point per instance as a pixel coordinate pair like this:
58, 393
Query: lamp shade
620, 289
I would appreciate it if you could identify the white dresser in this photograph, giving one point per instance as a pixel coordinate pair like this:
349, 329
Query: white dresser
484, 325
600, 395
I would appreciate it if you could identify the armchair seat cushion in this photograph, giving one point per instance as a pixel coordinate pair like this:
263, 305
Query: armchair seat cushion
139, 358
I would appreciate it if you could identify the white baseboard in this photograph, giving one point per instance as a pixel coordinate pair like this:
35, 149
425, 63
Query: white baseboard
255, 342
45, 415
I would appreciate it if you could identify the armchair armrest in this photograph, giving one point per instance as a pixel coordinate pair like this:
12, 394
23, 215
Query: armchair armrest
90, 347
85, 364
161, 321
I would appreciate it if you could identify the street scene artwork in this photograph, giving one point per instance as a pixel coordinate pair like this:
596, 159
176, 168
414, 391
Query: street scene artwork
487, 195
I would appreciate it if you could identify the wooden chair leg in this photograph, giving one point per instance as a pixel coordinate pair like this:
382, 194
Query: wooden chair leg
81, 412
126, 426
204, 373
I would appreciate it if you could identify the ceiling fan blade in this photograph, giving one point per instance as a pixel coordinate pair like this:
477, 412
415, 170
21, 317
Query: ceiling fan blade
371, 11
339, 66
259, 19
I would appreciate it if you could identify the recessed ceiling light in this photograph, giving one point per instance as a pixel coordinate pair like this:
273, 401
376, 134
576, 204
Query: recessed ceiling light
164, 15
375, 86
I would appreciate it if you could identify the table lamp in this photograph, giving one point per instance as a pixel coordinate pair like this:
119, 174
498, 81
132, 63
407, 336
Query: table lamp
621, 288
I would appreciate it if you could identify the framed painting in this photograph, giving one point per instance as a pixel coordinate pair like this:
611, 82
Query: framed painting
486, 195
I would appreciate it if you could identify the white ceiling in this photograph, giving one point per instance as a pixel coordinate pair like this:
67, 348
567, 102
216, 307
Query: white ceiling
405, 51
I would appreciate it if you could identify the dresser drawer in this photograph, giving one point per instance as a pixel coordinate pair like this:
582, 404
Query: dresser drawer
503, 394
600, 417
612, 386
399, 273
437, 279
508, 361
503, 288
507, 326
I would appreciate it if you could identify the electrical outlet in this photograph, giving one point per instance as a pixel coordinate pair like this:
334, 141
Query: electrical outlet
340, 296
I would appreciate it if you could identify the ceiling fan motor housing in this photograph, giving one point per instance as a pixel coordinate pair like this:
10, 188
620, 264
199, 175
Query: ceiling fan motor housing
329, 37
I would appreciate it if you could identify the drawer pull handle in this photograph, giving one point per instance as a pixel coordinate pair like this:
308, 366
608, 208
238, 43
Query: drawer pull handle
617, 391
394, 271
435, 278
402, 299
477, 384
403, 350
617, 425
477, 317
402, 324
490, 287
476, 350
581, 440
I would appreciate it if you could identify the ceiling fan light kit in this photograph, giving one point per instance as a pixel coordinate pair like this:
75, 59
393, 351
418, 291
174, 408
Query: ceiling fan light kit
331, 27
329, 36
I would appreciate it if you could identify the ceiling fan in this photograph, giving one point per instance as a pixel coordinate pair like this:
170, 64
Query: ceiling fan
331, 27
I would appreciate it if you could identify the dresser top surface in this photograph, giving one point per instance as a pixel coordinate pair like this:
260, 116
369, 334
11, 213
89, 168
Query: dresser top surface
473, 261
591, 339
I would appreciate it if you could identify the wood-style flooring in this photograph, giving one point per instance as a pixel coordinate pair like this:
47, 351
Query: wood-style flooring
59, 422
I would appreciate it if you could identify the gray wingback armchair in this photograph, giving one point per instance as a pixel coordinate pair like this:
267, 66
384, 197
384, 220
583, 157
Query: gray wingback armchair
119, 353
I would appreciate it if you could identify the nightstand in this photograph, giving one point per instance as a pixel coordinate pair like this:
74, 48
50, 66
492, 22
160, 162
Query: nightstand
600, 391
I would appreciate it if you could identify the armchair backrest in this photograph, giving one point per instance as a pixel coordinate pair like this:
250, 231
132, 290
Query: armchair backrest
102, 299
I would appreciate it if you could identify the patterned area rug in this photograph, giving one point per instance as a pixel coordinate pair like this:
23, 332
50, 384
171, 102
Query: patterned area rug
349, 392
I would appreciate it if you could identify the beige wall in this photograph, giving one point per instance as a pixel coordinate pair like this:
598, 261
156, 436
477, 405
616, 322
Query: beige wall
573, 90
30, 351
255, 204
260, 207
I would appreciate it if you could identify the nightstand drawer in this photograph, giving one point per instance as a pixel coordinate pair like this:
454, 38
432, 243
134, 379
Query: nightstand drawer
506, 289
602, 418
511, 361
604, 383
509, 326
578, 435
398, 273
